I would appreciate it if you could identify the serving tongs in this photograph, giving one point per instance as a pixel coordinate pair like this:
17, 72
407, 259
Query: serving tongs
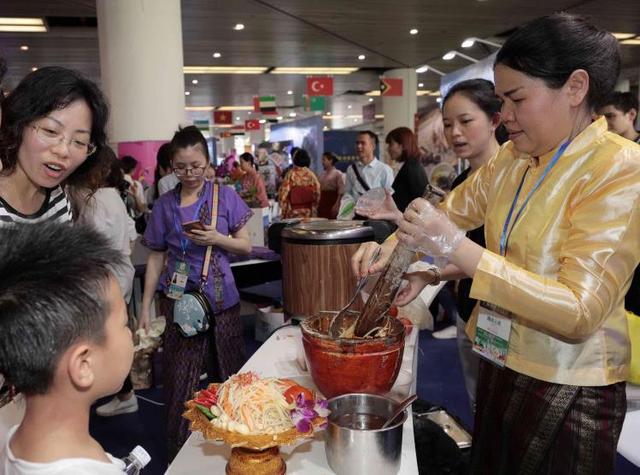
336, 327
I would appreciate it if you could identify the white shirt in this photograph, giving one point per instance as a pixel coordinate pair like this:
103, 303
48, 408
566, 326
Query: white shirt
376, 174
107, 213
10, 465
167, 183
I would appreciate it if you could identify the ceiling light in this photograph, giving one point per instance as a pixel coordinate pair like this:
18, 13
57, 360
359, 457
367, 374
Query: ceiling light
224, 69
216, 55
24, 48
349, 106
469, 42
279, 117
289, 92
262, 121
22, 25
371, 99
292, 114
375, 92
362, 57
329, 113
238, 27
313, 70
379, 116
234, 108
355, 120
199, 108
249, 113
449, 55
187, 93
623, 36
237, 118
355, 116
439, 99
413, 31
325, 128
331, 117
634, 41
420, 84
34, 68
194, 81
424, 68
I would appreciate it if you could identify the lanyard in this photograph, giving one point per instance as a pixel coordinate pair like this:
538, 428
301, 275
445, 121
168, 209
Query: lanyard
506, 233
184, 242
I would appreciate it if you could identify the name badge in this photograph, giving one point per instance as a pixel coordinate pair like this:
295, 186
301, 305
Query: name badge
492, 335
178, 281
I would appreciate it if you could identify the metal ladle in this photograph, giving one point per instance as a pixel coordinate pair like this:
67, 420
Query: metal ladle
400, 409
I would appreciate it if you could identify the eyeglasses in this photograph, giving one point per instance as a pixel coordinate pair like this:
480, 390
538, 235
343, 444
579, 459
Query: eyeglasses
195, 171
53, 137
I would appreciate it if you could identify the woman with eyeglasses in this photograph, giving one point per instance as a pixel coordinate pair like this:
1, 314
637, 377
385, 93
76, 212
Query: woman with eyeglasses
52, 124
178, 233
560, 207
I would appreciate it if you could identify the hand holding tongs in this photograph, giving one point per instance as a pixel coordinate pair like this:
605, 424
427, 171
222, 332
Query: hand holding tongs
337, 323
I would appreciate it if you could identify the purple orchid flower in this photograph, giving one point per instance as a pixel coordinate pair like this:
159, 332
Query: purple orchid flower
306, 410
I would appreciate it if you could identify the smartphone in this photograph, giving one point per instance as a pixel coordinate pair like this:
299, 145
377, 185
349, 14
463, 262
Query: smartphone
191, 225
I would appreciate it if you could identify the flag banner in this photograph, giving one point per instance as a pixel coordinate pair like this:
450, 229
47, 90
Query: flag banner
319, 86
390, 86
268, 105
222, 117
315, 103
202, 124
252, 124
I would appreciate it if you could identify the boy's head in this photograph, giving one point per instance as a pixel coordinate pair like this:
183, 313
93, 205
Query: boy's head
63, 321
621, 111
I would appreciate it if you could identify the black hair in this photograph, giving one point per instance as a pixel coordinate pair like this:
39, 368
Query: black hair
371, 135
3, 71
623, 101
331, 157
53, 293
483, 94
248, 157
552, 47
128, 164
189, 136
301, 158
40, 92
163, 161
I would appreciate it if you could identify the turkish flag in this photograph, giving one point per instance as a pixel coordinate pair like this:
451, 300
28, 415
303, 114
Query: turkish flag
390, 86
222, 117
319, 86
253, 124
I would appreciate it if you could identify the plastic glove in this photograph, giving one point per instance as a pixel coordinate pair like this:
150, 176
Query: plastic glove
427, 229
378, 204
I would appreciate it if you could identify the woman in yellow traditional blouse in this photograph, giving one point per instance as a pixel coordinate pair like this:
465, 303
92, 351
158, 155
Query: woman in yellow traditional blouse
561, 208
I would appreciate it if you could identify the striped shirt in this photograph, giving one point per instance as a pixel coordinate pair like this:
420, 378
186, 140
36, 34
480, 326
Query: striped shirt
55, 208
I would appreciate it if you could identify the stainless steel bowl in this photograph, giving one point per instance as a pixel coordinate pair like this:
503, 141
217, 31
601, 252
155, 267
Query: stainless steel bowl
355, 444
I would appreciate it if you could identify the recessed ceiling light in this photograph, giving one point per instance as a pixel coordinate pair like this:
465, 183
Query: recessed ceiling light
355, 120
224, 69
238, 27
279, 117
329, 113
420, 84
439, 99
322, 71
249, 113
289, 92
216, 55
187, 93
194, 81
413, 31
237, 118
325, 128
349, 106
362, 57
34, 68
292, 114
371, 99
24, 48
263, 121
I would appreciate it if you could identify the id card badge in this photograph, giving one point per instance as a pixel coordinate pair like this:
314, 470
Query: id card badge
178, 281
492, 335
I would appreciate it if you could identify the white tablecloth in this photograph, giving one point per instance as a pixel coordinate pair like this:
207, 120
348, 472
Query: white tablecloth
277, 358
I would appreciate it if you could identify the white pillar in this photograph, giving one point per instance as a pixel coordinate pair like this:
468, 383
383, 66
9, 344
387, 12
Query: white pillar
400, 111
141, 65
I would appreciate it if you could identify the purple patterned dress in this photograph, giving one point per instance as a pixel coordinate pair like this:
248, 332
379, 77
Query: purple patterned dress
223, 345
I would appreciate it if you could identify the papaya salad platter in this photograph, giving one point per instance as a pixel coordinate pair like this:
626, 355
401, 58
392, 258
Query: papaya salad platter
257, 413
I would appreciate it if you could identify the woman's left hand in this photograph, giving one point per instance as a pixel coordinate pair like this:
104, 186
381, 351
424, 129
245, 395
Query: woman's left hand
207, 237
427, 229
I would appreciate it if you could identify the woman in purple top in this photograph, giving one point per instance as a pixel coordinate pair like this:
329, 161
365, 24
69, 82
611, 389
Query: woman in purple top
165, 237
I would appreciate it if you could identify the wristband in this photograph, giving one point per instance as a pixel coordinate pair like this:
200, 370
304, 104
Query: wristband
437, 276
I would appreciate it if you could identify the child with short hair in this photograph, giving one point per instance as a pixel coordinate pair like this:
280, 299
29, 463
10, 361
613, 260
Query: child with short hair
64, 343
